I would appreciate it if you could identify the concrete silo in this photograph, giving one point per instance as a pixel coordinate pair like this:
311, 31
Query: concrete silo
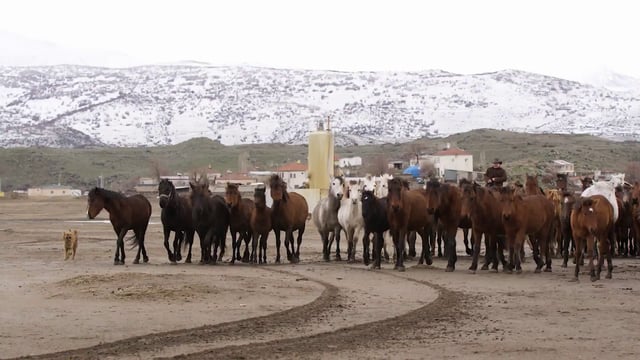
320, 159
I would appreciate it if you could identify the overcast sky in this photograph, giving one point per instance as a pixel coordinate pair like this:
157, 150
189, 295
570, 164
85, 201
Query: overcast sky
570, 39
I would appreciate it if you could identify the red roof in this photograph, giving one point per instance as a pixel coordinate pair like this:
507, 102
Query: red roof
451, 151
229, 177
292, 167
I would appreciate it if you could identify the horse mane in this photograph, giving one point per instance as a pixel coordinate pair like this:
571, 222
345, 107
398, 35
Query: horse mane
106, 194
275, 180
232, 186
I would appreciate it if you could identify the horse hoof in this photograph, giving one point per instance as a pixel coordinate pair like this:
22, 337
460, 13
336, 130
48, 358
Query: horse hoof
400, 268
449, 269
518, 271
608, 276
116, 262
575, 279
485, 267
537, 271
338, 258
594, 278
172, 258
136, 261
146, 260
439, 254
178, 257
469, 252
547, 270
495, 270
188, 261
429, 261
564, 265
472, 271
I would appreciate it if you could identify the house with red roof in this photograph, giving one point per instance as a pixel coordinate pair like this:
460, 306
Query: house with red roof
294, 174
449, 160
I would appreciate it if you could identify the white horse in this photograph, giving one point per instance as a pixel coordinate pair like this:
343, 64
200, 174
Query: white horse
606, 189
325, 217
350, 218
382, 185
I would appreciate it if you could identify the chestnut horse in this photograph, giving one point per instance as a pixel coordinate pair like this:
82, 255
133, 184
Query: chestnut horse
125, 213
175, 216
406, 211
260, 225
239, 222
591, 221
555, 196
531, 186
445, 202
289, 213
484, 209
568, 245
522, 215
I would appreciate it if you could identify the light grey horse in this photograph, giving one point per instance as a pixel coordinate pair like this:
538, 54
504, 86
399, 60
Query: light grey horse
325, 217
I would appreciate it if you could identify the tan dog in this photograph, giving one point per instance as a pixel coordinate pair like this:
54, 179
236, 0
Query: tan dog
70, 239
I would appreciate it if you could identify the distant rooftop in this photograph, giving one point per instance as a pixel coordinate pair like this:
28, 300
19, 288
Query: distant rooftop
450, 152
292, 167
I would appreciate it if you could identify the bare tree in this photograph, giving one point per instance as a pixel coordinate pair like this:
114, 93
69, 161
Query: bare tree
415, 150
428, 169
157, 169
378, 165
632, 173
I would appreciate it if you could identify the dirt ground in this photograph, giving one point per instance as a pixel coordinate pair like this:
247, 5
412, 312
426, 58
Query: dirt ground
88, 308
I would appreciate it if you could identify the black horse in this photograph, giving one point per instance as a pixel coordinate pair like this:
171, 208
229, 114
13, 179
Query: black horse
374, 212
210, 220
125, 213
176, 216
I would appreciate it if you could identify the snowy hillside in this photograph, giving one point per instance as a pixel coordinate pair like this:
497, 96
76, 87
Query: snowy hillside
72, 106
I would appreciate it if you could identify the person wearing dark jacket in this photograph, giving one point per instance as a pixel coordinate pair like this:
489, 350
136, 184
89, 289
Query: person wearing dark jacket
495, 176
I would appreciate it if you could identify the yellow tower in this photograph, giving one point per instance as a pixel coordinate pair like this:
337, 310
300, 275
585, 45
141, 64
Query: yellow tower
320, 159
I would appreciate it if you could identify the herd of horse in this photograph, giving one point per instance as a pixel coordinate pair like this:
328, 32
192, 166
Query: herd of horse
605, 214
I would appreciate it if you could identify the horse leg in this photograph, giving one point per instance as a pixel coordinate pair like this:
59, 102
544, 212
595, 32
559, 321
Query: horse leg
578, 257
140, 235
349, 232
591, 256
177, 244
465, 234
566, 240
439, 240
477, 235
426, 251
117, 260
299, 241
377, 249
246, 257
233, 248
365, 248
277, 233
609, 266
603, 249
450, 238
411, 239
189, 235
326, 243
337, 238
167, 233
400, 244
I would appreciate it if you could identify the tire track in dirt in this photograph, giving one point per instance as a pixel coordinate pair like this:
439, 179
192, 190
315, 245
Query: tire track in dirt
328, 300
438, 318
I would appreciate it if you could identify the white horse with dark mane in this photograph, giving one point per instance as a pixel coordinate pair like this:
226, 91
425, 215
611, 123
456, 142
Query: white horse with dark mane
325, 217
351, 219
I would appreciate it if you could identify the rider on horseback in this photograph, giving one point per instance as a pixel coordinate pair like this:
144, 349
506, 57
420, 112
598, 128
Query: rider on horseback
495, 175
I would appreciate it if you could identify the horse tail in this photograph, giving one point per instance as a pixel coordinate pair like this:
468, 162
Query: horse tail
184, 241
132, 241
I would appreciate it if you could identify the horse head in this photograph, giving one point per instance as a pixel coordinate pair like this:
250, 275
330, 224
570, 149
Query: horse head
508, 198
232, 196
95, 202
259, 197
355, 192
369, 183
336, 187
586, 182
166, 192
278, 188
395, 194
433, 189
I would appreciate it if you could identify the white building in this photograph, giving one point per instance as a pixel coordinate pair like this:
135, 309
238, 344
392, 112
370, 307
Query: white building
350, 162
53, 191
449, 159
563, 167
294, 174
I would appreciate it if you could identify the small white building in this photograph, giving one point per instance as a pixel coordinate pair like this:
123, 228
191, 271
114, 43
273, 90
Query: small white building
294, 174
350, 162
53, 191
449, 159
563, 167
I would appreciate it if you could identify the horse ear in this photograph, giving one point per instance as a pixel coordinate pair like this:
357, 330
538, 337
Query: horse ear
192, 185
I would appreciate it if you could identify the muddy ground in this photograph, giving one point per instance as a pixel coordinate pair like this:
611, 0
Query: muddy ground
88, 308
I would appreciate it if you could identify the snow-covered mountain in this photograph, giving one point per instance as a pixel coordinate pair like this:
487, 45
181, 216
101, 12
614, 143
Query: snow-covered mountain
72, 106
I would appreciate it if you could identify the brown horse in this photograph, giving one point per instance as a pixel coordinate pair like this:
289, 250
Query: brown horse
591, 221
125, 213
568, 245
483, 207
586, 182
445, 202
562, 182
555, 244
522, 215
531, 186
289, 213
635, 216
406, 211
260, 225
211, 221
239, 222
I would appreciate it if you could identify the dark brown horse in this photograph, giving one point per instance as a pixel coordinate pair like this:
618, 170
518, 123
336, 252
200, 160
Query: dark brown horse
239, 222
522, 215
176, 216
586, 182
444, 202
591, 221
406, 211
260, 225
289, 213
635, 216
482, 206
568, 245
125, 213
210, 220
